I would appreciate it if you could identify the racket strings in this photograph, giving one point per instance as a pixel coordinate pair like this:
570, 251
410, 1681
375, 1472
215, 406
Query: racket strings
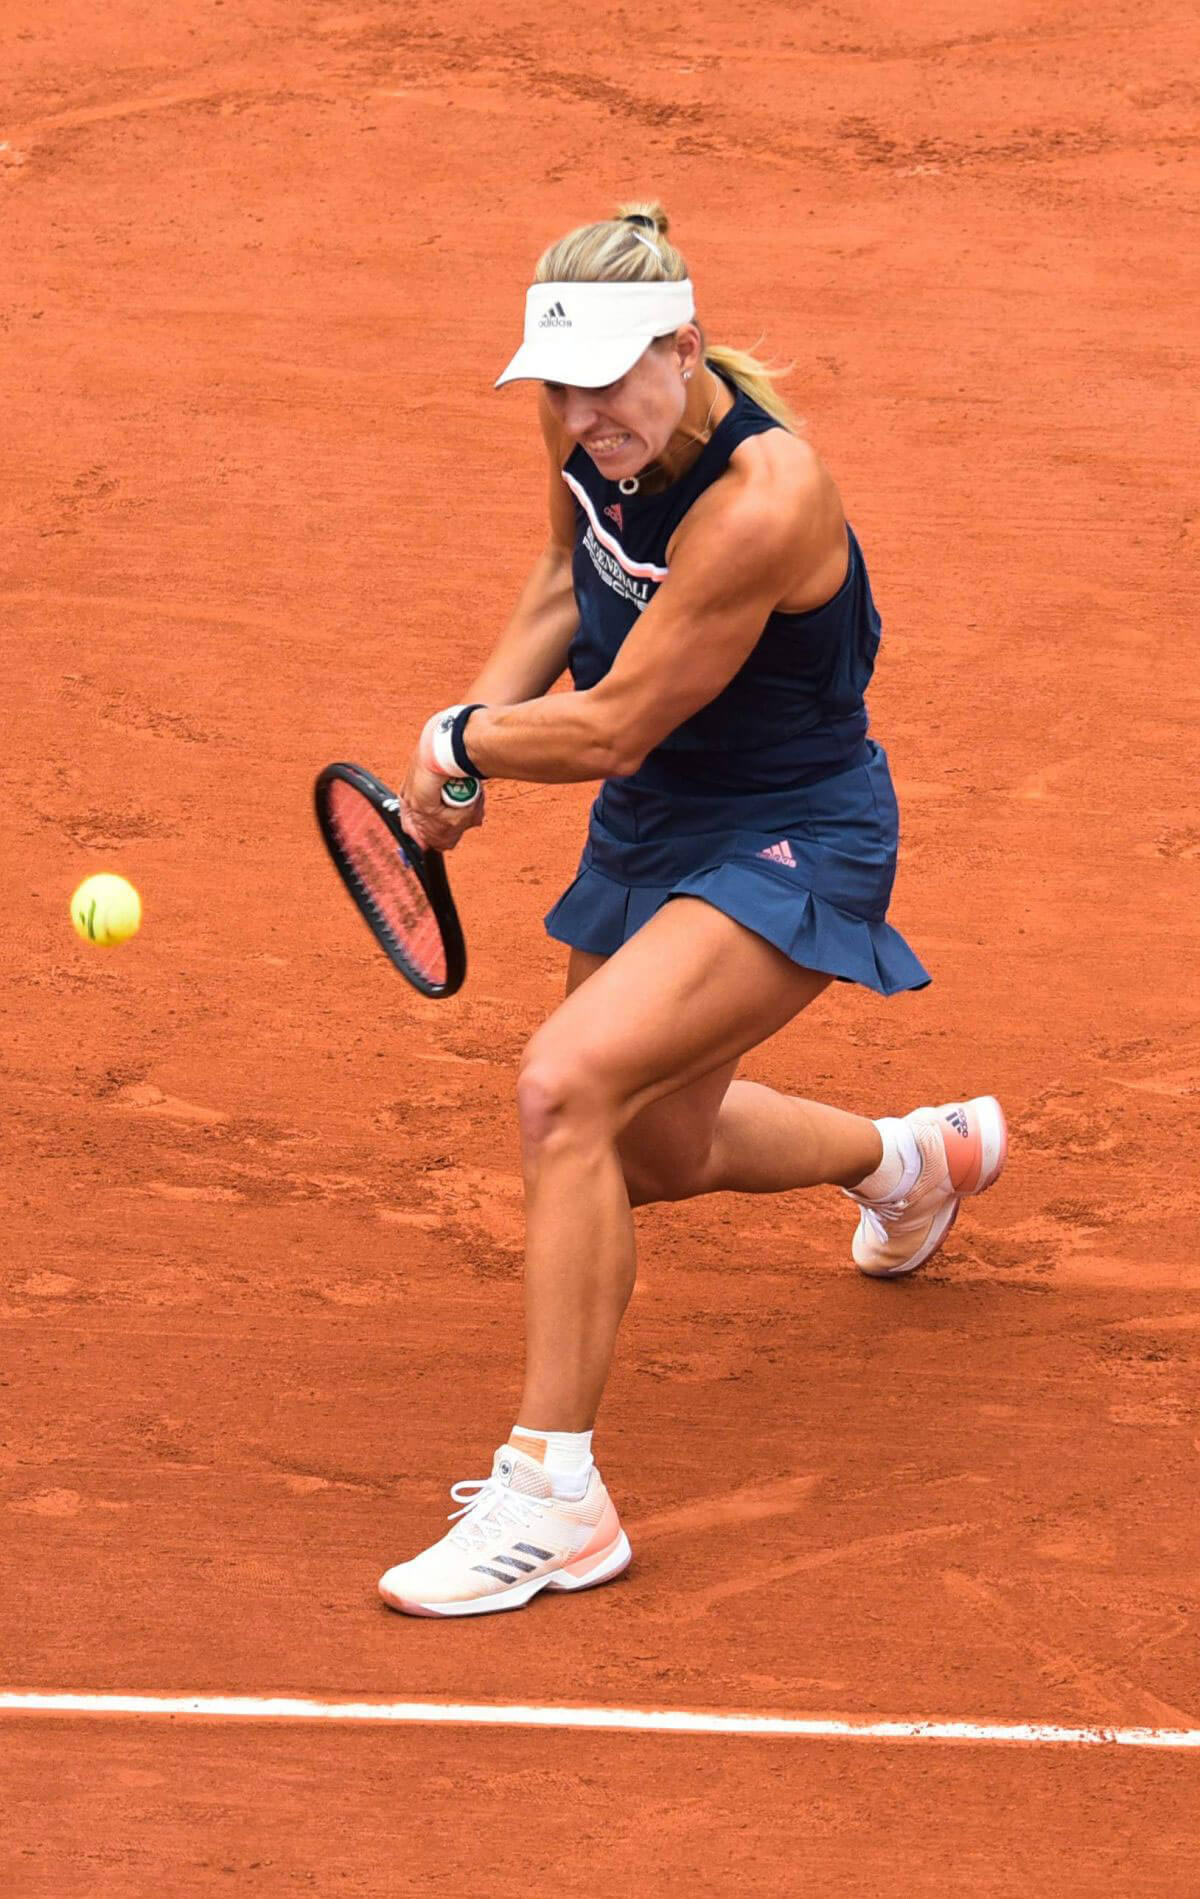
387, 882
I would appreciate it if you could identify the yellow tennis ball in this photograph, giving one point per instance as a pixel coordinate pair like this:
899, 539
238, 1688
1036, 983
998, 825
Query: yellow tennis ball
105, 909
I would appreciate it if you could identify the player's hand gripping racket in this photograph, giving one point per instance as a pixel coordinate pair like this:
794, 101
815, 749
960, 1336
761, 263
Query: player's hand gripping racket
402, 890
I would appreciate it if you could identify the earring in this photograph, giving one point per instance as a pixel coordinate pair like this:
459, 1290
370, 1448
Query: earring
687, 375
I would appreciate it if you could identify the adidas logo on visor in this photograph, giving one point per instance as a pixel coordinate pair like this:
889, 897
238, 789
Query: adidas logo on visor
555, 318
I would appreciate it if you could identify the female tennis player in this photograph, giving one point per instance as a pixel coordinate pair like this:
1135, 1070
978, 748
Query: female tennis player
703, 587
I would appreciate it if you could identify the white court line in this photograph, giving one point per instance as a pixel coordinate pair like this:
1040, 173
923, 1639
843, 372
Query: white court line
636, 1720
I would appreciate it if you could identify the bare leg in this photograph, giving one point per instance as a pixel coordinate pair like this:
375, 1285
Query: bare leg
766, 1142
721, 1135
580, 1266
681, 1000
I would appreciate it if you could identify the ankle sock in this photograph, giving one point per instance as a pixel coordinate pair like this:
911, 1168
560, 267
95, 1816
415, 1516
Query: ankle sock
565, 1456
898, 1170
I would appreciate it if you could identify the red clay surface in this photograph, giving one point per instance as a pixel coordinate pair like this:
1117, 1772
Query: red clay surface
261, 1285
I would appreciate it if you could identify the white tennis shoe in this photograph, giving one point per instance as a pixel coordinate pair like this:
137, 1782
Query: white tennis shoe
512, 1536
961, 1148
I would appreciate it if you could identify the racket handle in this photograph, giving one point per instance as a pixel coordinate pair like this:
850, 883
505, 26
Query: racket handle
460, 793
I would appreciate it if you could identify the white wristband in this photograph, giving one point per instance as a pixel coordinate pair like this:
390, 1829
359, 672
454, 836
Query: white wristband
436, 750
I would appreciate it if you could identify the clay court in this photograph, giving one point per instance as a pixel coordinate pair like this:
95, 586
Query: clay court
262, 1203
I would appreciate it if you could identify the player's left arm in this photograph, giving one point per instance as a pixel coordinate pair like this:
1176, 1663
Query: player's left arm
749, 542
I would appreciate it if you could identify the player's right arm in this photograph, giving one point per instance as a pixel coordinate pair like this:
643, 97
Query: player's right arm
531, 652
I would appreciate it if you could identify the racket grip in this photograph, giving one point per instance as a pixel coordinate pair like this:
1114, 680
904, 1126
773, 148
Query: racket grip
460, 793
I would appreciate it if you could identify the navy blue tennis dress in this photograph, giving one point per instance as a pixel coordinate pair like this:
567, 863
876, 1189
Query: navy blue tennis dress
770, 803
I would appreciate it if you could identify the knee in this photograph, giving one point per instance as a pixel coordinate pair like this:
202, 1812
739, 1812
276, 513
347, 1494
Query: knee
560, 1096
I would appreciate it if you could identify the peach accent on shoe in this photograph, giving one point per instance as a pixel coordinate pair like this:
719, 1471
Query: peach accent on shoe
964, 1148
534, 1447
977, 1163
603, 1536
600, 1566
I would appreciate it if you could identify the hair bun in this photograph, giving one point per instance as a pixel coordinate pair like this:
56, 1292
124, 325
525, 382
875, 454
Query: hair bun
649, 215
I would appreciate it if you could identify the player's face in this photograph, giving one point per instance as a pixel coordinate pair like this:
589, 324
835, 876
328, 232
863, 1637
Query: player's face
629, 423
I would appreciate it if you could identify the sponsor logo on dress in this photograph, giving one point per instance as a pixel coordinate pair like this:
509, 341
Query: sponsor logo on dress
613, 574
614, 514
555, 318
780, 853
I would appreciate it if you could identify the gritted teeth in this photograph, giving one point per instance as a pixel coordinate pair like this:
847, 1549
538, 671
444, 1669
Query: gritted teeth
606, 444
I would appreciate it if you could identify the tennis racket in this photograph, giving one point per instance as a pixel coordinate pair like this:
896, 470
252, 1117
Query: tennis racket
401, 890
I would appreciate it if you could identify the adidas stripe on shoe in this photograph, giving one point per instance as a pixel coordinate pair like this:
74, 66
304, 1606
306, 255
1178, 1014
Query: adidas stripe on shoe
511, 1538
962, 1148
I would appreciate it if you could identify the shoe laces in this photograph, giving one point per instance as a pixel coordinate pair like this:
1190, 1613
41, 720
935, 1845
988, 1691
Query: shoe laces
484, 1506
880, 1214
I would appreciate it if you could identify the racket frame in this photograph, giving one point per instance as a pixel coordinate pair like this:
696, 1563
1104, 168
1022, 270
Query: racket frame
427, 866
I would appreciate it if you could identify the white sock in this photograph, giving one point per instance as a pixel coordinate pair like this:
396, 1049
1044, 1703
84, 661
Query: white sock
897, 1171
565, 1456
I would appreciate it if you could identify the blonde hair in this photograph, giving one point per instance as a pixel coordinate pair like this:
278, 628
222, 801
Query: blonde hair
632, 247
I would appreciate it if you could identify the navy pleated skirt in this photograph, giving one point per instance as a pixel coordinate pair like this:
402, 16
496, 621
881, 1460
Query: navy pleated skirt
809, 868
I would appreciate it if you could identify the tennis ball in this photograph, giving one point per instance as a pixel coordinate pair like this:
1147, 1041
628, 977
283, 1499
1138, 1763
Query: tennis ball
105, 909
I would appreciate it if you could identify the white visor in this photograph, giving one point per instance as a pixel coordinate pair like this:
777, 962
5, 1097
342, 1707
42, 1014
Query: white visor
589, 334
